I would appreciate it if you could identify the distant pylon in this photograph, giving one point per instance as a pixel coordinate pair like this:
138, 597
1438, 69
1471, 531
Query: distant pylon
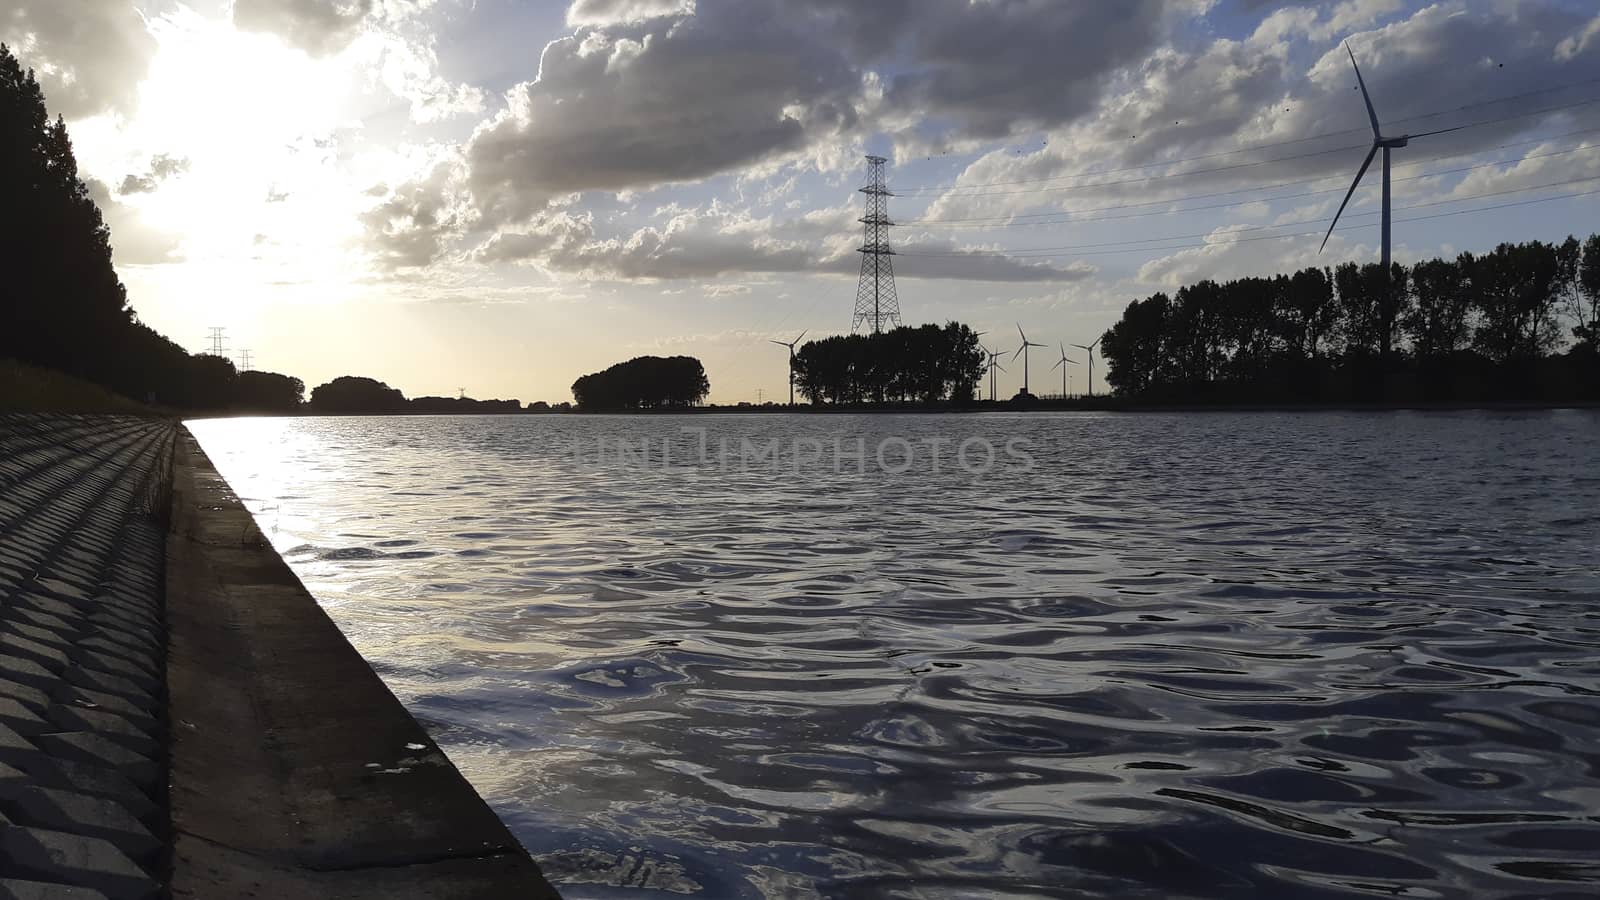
245, 359
216, 341
877, 304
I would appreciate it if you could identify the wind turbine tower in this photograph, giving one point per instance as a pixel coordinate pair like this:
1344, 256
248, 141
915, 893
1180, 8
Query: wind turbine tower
877, 304
1062, 365
1023, 352
790, 345
1379, 142
1090, 348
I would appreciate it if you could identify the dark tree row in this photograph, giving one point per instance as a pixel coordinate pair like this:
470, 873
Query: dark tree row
1479, 327
63, 306
644, 382
925, 364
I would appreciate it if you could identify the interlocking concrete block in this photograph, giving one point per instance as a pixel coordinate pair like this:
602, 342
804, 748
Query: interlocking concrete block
83, 698
16, 749
17, 646
56, 856
28, 695
20, 718
96, 680
98, 750
26, 671
44, 636
88, 659
25, 616
145, 663
76, 718
62, 610
13, 889
90, 779
85, 814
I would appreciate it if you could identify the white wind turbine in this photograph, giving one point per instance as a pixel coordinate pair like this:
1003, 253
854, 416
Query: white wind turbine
790, 345
1023, 352
1379, 142
1090, 348
992, 366
1062, 365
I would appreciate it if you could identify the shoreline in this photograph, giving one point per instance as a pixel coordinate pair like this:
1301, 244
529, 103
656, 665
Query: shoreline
294, 770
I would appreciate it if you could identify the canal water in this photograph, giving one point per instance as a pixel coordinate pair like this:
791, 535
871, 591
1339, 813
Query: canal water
1031, 655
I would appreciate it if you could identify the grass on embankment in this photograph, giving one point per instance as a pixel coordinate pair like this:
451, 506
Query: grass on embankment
25, 388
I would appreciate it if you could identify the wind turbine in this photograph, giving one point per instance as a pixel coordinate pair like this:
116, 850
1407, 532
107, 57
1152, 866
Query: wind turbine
790, 345
1023, 352
1062, 365
1092, 344
1379, 142
992, 366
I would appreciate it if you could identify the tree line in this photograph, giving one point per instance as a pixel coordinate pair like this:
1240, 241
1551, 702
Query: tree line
1515, 324
644, 382
922, 364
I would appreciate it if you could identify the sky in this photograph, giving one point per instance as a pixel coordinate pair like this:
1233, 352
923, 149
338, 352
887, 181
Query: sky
499, 196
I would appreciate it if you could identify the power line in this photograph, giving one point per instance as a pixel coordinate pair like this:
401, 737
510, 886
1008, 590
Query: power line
1095, 248
957, 190
1075, 217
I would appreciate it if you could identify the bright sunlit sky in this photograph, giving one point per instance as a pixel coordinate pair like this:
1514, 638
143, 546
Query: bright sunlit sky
502, 196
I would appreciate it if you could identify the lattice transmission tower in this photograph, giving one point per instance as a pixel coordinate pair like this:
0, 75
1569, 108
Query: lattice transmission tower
877, 304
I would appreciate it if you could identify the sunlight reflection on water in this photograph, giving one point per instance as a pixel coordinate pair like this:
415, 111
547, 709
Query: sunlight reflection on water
1182, 655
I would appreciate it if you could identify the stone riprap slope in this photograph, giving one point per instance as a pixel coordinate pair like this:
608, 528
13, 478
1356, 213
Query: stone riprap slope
83, 502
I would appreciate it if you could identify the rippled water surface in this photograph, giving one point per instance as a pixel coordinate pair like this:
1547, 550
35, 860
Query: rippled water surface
1203, 655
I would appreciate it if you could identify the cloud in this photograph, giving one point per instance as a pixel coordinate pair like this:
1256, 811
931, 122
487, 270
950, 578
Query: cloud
318, 27
89, 55
134, 241
614, 12
1288, 81
671, 100
416, 222
162, 167
715, 241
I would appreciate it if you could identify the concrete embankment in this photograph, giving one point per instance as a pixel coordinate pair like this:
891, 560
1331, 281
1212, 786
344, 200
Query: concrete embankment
179, 717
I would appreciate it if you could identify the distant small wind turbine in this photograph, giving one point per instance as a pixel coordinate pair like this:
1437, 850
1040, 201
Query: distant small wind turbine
992, 365
1062, 365
1023, 352
1379, 142
1090, 348
790, 345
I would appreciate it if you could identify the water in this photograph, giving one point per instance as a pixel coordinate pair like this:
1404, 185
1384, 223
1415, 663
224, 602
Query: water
1201, 655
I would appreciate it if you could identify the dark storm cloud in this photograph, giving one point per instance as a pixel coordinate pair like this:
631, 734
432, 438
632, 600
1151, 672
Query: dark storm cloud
664, 97
315, 26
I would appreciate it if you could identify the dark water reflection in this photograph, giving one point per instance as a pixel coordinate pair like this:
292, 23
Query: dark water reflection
1183, 656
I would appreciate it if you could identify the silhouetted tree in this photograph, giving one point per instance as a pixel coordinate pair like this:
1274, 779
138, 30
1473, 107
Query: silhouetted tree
1322, 335
926, 364
268, 392
644, 382
64, 307
354, 394
1584, 304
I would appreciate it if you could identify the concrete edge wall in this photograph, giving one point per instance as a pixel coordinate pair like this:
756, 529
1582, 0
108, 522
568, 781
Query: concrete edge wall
294, 770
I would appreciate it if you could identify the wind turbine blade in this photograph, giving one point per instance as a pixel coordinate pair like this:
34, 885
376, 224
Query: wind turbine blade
1094, 343
779, 343
1440, 131
1019, 331
1353, 185
1019, 352
1080, 346
802, 334
1372, 114
1057, 366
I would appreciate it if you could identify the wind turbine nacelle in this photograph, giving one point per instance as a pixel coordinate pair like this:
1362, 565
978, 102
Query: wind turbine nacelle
1400, 141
